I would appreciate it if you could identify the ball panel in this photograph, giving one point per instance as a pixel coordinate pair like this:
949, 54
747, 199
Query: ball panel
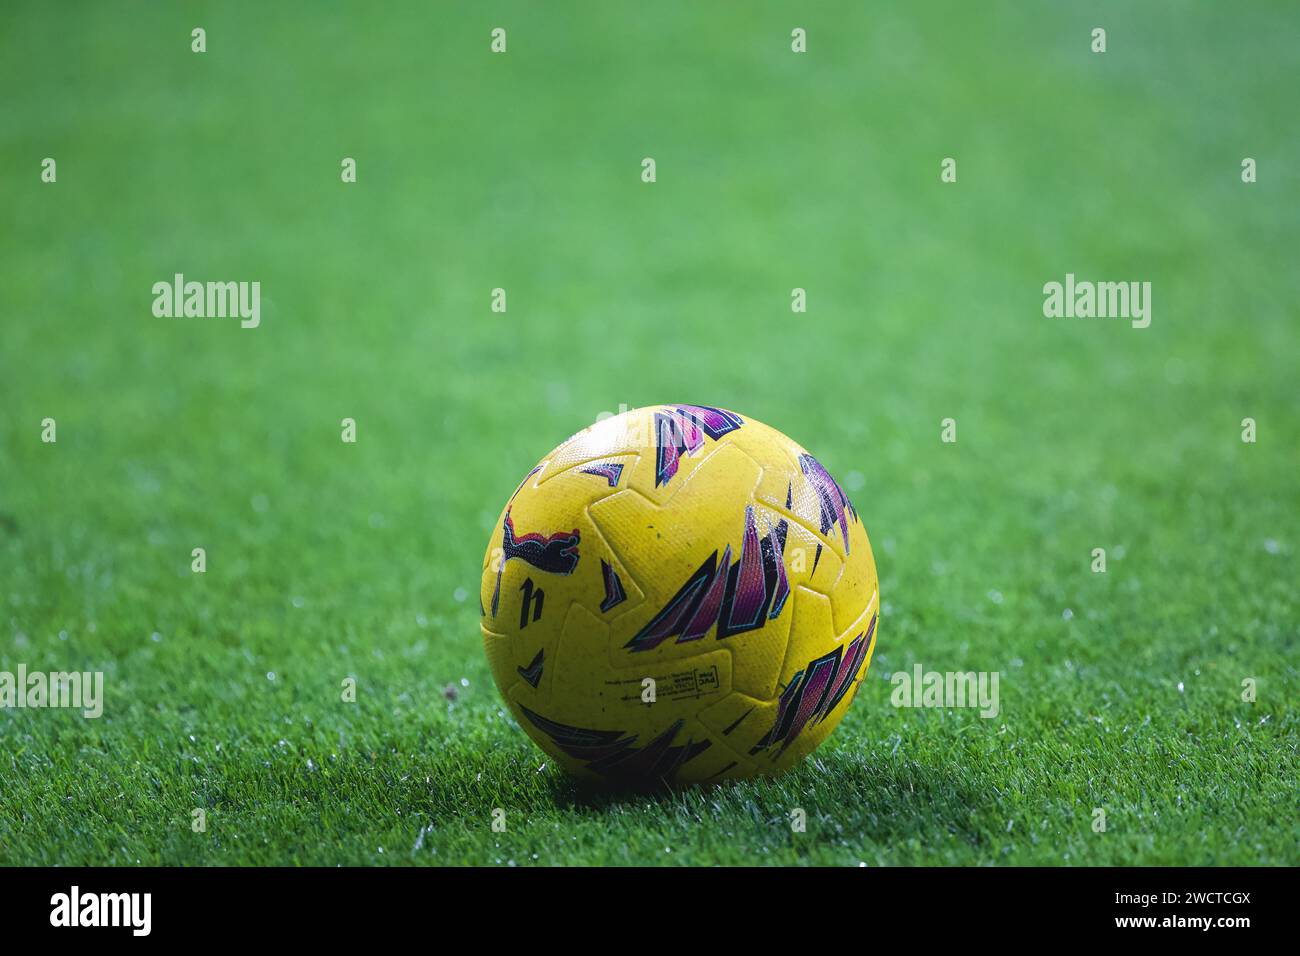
676, 554
857, 587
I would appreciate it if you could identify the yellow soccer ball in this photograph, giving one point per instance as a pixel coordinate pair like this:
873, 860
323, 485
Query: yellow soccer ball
678, 593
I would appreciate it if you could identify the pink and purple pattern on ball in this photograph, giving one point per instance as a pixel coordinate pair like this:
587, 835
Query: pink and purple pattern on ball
614, 593
736, 597
835, 505
611, 471
614, 753
681, 431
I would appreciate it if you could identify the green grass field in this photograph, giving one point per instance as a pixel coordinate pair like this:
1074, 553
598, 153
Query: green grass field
775, 170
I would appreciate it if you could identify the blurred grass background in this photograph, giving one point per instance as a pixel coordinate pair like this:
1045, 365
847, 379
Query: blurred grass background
522, 171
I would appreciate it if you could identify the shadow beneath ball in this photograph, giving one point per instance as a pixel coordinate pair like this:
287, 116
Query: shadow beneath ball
574, 794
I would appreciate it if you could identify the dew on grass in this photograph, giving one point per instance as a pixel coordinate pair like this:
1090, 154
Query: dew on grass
297, 602
419, 839
270, 675
1271, 546
156, 637
1067, 614
459, 595
995, 597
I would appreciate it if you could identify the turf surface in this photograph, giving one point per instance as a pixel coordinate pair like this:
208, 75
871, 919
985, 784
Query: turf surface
1120, 691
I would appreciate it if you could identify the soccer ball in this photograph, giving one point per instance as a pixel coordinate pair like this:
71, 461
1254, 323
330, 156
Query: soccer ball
678, 593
